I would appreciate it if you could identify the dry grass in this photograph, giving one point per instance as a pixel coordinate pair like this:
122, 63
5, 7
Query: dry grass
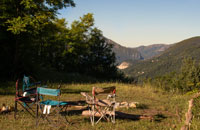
167, 108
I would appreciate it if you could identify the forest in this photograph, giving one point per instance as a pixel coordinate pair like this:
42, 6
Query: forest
33, 39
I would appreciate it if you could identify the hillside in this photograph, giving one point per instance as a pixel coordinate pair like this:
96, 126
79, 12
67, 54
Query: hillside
152, 50
125, 53
168, 61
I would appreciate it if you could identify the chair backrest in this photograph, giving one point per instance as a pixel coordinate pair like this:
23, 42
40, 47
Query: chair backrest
107, 90
26, 82
48, 91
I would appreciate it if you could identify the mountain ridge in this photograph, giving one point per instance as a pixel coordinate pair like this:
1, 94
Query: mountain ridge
152, 50
169, 61
124, 54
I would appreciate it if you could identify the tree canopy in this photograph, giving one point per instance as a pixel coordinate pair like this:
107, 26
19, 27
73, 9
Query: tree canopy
33, 37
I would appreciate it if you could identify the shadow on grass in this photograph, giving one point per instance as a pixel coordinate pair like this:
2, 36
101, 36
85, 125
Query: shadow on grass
73, 112
142, 106
159, 117
119, 115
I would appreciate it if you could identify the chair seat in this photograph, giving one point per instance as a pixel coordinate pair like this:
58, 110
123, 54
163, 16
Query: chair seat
26, 99
31, 91
53, 103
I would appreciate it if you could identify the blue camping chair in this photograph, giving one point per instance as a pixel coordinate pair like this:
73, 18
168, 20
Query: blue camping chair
49, 108
27, 97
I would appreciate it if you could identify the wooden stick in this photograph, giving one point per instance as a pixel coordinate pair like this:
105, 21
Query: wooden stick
188, 114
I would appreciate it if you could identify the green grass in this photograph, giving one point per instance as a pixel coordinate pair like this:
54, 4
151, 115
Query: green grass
168, 109
195, 124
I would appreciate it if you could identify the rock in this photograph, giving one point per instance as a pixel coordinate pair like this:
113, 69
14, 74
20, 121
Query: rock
3, 108
126, 104
132, 105
6, 109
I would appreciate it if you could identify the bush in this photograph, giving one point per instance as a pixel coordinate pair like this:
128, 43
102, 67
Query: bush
188, 79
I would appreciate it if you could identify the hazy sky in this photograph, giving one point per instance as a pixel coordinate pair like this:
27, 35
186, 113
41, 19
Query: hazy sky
133, 23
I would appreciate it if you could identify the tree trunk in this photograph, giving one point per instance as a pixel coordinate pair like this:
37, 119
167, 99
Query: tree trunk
16, 59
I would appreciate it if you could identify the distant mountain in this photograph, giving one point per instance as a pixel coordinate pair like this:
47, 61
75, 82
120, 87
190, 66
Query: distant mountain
152, 50
169, 61
125, 53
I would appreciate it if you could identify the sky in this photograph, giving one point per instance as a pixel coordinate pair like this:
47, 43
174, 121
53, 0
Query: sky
133, 23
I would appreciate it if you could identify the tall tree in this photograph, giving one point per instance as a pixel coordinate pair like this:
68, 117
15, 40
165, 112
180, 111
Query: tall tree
78, 42
101, 58
88, 51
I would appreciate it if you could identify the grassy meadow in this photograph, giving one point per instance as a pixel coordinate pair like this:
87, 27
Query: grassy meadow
167, 108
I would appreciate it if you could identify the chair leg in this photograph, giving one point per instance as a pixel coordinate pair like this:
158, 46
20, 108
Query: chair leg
27, 110
64, 108
15, 109
37, 114
113, 114
114, 118
91, 112
103, 114
58, 115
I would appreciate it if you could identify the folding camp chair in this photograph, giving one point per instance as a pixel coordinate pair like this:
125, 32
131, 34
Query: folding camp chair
24, 99
46, 106
27, 96
104, 109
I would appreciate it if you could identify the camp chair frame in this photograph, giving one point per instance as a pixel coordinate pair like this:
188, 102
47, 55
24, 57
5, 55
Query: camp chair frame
25, 101
56, 104
104, 108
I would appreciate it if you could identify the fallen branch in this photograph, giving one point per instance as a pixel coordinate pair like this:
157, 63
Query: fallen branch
188, 116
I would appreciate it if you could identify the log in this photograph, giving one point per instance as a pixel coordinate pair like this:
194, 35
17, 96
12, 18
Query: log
80, 107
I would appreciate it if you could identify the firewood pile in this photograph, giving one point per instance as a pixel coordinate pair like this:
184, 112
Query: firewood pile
126, 105
6, 109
